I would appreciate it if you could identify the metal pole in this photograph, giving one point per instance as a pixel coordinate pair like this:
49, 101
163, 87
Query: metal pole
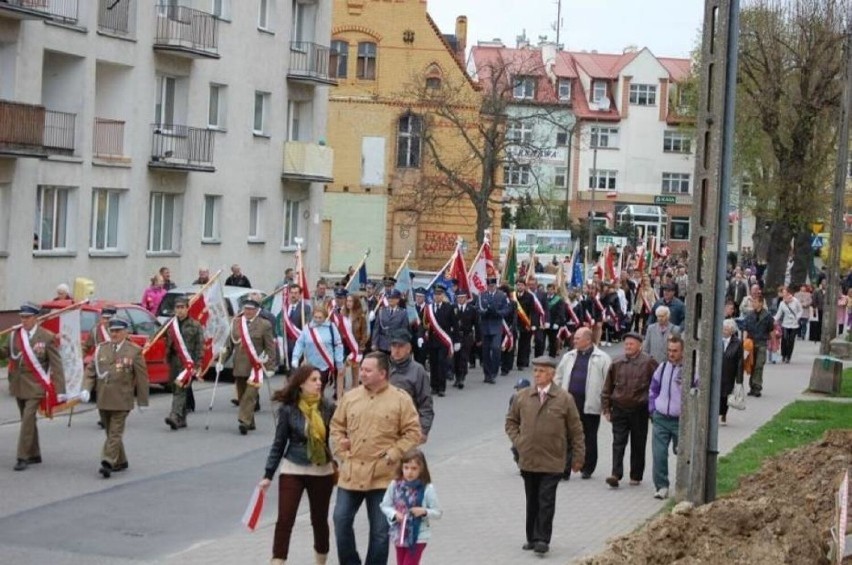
591, 247
838, 205
740, 227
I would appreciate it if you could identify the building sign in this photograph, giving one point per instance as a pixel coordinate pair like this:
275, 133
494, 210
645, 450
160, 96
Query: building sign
603, 240
663, 199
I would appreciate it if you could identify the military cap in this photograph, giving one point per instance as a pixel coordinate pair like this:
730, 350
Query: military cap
440, 288
394, 293
108, 311
420, 290
29, 309
118, 324
341, 293
389, 281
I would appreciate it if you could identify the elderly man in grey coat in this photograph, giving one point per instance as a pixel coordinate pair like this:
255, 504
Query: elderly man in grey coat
658, 334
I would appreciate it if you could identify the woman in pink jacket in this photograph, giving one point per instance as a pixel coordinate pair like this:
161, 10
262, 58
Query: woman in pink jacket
154, 294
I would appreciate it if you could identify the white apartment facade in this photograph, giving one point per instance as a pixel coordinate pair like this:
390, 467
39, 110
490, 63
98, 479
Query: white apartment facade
137, 134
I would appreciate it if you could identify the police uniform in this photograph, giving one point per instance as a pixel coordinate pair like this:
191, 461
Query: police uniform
193, 337
444, 316
419, 333
388, 320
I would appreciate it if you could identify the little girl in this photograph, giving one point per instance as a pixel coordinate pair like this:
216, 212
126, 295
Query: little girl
409, 503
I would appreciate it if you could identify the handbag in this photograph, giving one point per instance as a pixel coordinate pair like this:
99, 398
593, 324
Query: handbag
736, 399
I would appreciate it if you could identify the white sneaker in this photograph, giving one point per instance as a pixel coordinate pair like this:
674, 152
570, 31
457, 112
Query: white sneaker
662, 493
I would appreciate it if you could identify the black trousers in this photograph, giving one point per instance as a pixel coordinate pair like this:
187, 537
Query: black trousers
552, 341
524, 345
538, 338
438, 367
540, 489
507, 358
629, 425
461, 359
591, 423
788, 341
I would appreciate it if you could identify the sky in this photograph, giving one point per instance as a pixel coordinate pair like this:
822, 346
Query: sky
669, 28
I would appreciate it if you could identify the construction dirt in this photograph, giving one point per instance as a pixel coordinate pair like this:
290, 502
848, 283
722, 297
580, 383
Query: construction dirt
781, 514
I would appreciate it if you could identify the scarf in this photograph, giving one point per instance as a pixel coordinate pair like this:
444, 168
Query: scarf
407, 495
309, 404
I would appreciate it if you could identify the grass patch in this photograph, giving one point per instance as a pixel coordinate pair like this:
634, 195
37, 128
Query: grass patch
846, 384
796, 424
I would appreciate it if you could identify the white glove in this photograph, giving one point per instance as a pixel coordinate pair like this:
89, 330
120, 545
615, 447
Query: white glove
61, 397
84, 396
419, 342
219, 366
534, 328
372, 316
547, 325
456, 347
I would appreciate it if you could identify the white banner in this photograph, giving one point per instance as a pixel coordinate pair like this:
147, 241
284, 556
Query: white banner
71, 351
218, 326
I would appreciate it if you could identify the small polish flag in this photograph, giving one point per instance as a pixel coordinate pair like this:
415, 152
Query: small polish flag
255, 506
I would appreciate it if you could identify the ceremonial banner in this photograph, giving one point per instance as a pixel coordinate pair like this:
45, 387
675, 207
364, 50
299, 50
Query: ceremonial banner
510, 269
302, 276
403, 285
482, 265
66, 326
358, 280
458, 271
210, 311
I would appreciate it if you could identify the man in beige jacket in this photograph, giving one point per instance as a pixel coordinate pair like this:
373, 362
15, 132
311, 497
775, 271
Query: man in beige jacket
373, 426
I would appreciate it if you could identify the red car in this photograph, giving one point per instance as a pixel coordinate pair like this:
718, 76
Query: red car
143, 325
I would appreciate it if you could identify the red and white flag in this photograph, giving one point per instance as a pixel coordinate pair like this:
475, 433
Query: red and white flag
66, 326
481, 269
210, 311
251, 516
458, 271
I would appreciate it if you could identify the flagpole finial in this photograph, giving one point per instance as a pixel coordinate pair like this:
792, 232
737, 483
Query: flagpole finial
298, 241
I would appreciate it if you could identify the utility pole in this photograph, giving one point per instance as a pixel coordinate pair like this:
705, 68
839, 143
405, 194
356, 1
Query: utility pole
699, 422
590, 250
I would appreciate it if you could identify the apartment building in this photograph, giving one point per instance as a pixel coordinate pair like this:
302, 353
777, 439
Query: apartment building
137, 134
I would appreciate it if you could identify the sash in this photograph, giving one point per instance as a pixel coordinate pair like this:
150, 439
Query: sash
50, 400
443, 336
590, 321
293, 331
102, 331
256, 376
508, 339
599, 304
563, 333
612, 316
320, 346
344, 326
573, 314
185, 376
538, 307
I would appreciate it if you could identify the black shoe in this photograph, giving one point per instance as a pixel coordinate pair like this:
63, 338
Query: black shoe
100, 424
566, 476
105, 470
586, 475
756, 395
181, 423
441, 393
528, 546
257, 406
751, 393
490, 381
504, 373
541, 547
243, 429
21, 465
235, 401
171, 422
34, 460
460, 386
120, 467
612, 481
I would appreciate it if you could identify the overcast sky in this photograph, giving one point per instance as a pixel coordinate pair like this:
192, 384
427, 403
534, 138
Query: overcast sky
667, 27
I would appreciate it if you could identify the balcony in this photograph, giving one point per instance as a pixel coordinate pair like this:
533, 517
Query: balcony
60, 10
181, 148
30, 130
307, 162
114, 17
186, 32
312, 63
108, 140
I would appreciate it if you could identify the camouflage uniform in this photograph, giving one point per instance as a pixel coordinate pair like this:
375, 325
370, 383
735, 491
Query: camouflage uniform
193, 337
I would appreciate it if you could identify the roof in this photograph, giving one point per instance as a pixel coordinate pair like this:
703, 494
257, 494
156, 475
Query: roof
450, 49
602, 65
679, 69
518, 62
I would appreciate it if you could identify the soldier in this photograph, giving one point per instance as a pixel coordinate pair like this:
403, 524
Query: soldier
538, 293
390, 318
419, 332
252, 344
120, 370
468, 336
184, 351
35, 376
441, 325
100, 333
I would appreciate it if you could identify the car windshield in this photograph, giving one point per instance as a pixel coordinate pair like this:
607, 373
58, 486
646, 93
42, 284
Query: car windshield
88, 319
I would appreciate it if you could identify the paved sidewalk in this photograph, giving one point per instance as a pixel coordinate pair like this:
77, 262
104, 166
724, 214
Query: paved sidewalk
482, 495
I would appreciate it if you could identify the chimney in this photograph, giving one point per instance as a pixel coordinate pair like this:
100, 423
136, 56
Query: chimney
521, 41
548, 57
461, 38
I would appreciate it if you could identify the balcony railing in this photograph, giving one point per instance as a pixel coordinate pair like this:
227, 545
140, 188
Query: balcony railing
114, 16
108, 139
182, 147
307, 162
62, 10
312, 62
188, 31
31, 129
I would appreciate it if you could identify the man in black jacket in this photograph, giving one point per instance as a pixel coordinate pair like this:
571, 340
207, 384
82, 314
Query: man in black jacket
409, 375
759, 326
468, 336
556, 315
528, 323
442, 339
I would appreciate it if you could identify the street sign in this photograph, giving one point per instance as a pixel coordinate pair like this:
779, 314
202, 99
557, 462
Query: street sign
816, 242
664, 199
603, 240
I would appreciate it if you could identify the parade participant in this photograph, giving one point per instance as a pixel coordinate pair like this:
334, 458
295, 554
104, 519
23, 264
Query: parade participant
664, 404
321, 345
595, 309
373, 426
409, 503
409, 375
737, 290
301, 440
540, 295
556, 316
298, 313
122, 377
252, 344
357, 320
624, 402
542, 423
582, 373
35, 378
237, 278
510, 341
759, 327
100, 332
613, 313
321, 296
468, 337
658, 334
442, 340
493, 307
184, 352
419, 333
529, 321
390, 318
677, 311
153, 295
645, 299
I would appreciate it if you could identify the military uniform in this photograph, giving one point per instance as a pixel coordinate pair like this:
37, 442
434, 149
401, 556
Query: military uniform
121, 375
446, 317
193, 338
260, 333
468, 337
26, 386
388, 321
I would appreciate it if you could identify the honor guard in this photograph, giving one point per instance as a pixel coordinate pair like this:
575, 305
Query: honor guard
389, 318
419, 332
184, 352
493, 306
442, 339
509, 346
100, 333
468, 336
297, 314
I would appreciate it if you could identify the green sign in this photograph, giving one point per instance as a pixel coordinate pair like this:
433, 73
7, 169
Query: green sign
665, 199
602, 240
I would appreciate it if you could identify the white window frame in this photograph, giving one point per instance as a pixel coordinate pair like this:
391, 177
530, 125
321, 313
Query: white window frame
110, 239
603, 137
221, 9
516, 174
409, 148
560, 177
603, 179
680, 220
167, 241
564, 90
60, 200
677, 142
598, 91
643, 94
164, 109
519, 132
263, 15
211, 219
676, 183
255, 228
217, 104
523, 88
290, 223
263, 98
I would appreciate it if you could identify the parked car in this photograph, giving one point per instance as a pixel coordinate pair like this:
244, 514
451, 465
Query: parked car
234, 298
143, 325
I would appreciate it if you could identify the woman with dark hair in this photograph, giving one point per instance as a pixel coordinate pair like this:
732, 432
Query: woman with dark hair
301, 440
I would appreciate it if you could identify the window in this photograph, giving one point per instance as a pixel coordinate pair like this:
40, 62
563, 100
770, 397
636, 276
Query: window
519, 132
366, 61
212, 208
408, 141
675, 183
677, 142
299, 17
598, 91
163, 217
524, 88
255, 232
643, 94
263, 15
5, 216
105, 216
299, 121
560, 177
291, 222
216, 107
261, 108
603, 180
342, 50
53, 215
164, 110
603, 137
562, 138
221, 9
564, 90
515, 174
433, 83
679, 228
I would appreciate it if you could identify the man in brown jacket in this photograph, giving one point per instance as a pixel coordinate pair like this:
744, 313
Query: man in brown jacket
624, 403
542, 421
119, 368
373, 426
26, 386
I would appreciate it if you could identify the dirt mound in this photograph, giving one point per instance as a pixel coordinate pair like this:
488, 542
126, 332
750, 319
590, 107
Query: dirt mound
781, 514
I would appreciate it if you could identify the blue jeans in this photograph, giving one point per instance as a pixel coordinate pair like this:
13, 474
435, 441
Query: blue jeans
347, 505
665, 432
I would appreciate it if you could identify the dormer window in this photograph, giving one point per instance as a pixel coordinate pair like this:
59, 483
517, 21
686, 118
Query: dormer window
564, 87
598, 91
523, 88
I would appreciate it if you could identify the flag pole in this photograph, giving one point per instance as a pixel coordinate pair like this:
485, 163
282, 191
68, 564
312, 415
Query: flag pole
50, 315
363, 260
447, 264
301, 261
396, 275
